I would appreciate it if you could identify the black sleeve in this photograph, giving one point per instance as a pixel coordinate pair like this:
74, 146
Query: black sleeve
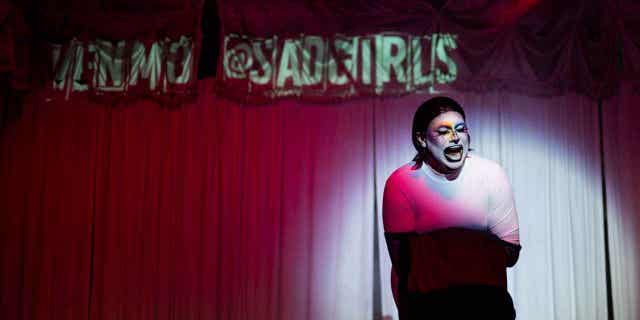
398, 246
512, 251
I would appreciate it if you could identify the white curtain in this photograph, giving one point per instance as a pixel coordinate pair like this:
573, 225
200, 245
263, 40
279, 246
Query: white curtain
549, 147
622, 168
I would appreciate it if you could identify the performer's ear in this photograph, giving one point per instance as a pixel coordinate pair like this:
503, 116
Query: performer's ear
420, 136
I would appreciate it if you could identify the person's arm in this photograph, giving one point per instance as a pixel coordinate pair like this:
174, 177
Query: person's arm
398, 246
398, 221
513, 252
503, 217
397, 214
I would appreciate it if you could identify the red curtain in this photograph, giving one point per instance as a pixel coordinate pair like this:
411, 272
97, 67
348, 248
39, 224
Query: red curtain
217, 210
46, 197
208, 211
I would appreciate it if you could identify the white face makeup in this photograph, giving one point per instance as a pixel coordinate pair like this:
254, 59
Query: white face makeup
447, 139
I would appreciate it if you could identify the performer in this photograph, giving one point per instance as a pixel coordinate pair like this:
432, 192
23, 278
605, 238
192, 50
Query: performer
450, 222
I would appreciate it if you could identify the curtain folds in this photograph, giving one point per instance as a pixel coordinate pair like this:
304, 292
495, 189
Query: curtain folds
216, 210
210, 211
621, 140
536, 48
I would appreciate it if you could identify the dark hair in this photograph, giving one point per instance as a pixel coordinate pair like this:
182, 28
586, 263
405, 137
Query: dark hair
426, 112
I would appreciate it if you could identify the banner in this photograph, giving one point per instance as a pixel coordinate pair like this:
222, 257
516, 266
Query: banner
317, 67
124, 67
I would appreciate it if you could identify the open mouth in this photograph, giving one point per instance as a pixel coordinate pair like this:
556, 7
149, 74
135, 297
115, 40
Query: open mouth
453, 153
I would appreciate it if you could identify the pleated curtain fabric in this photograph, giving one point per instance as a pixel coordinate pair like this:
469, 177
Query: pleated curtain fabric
621, 145
216, 210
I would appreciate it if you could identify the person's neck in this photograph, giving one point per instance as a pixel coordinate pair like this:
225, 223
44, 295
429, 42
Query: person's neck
441, 170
